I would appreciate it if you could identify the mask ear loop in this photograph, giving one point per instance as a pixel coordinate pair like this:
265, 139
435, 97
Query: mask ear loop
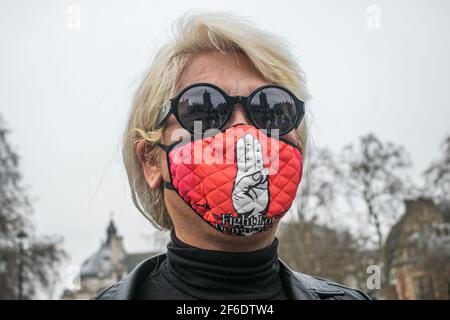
162, 146
166, 184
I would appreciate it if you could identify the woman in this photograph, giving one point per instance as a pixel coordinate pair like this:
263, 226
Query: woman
214, 152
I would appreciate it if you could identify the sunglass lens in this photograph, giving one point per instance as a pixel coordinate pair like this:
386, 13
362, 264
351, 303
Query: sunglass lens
203, 105
273, 108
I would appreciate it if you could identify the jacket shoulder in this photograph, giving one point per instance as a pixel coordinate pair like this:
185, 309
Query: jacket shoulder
302, 286
328, 289
125, 289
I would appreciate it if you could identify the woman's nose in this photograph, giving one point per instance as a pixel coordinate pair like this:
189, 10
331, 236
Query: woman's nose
238, 116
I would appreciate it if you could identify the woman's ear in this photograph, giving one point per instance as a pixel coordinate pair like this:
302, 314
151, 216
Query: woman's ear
151, 164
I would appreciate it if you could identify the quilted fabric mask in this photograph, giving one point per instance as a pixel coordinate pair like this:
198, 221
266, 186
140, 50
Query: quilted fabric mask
239, 180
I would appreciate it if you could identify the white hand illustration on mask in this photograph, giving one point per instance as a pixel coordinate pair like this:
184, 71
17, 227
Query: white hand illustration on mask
251, 185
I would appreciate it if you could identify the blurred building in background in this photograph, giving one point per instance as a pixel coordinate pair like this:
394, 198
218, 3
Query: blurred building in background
414, 261
417, 254
106, 266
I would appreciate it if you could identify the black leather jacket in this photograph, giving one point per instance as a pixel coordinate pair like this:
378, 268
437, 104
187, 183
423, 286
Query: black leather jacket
298, 286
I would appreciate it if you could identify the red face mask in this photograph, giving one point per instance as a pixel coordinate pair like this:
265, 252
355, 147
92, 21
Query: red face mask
239, 180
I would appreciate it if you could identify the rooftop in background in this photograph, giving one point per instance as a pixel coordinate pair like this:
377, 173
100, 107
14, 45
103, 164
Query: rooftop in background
109, 264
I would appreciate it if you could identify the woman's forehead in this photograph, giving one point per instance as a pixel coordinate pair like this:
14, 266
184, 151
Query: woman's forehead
234, 73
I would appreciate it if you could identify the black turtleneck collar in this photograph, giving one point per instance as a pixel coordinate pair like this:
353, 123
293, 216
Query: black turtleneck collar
207, 274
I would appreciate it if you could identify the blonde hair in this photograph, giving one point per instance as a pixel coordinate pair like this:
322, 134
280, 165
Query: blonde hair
196, 33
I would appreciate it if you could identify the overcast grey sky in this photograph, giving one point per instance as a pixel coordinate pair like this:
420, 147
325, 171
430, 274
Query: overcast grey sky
66, 85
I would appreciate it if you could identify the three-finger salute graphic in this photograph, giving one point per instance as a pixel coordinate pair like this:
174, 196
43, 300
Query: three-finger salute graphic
251, 185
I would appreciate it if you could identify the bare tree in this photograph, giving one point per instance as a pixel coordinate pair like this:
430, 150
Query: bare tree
23, 266
318, 248
319, 188
437, 180
376, 178
324, 251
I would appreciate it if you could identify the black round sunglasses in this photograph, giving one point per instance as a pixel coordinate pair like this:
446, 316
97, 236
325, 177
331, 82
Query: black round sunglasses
269, 107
